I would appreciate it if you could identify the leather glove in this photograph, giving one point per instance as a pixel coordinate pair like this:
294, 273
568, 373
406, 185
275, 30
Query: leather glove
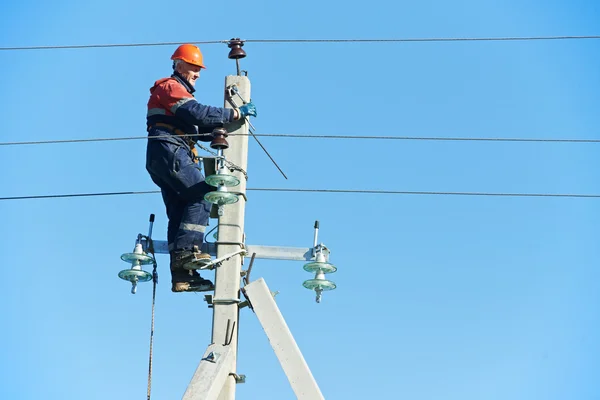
247, 109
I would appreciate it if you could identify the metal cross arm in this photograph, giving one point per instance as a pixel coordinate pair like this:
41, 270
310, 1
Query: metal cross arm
262, 252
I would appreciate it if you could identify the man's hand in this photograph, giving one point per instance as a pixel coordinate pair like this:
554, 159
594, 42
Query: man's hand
247, 109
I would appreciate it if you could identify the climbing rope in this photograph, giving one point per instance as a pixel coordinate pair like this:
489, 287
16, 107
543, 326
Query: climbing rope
154, 283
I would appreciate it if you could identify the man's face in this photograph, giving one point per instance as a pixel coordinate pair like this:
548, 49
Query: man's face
189, 72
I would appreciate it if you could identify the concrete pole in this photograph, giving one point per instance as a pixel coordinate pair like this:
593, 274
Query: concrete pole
231, 229
287, 351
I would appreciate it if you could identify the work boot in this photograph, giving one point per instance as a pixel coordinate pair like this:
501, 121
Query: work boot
189, 281
189, 259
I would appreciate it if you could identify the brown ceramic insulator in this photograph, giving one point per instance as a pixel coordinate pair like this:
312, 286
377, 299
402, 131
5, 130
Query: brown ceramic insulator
236, 51
219, 141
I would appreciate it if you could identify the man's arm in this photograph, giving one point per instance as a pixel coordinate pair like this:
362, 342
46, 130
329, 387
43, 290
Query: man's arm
181, 103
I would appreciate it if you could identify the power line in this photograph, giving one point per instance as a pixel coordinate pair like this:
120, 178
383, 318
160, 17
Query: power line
403, 192
273, 41
453, 39
429, 138
107, 45
38, 142
338, 191
309, 136
68, 195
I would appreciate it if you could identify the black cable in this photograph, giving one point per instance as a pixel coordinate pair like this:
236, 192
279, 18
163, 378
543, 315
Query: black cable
342, 191
58, 196
403, 192
400, 40
431, 138
37, 142
309, 136
208, 233
92, 46
392, 40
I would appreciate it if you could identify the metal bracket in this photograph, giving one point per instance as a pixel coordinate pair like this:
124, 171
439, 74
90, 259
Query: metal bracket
219, 260
243, 304
208, 298
226, 301
238, 378
241, 244
241, 194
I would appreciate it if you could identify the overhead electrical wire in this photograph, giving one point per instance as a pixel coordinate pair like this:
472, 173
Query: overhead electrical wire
438, 39
429, 138
309, 136
455, 39
338, 191
428, 193
273, 41
106, 45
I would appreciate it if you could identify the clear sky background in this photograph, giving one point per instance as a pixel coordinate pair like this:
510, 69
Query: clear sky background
439, 297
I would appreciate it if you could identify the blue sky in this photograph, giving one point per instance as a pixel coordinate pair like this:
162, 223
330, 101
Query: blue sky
439, 297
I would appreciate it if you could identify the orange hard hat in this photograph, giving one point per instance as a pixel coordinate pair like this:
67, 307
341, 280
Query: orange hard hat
190, 54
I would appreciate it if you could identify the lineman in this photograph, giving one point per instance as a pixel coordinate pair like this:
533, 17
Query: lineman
171, 162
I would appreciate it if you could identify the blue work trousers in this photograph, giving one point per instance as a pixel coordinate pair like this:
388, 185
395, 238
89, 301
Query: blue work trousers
172, 167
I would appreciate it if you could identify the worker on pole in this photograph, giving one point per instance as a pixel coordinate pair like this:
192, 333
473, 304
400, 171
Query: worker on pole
175, 122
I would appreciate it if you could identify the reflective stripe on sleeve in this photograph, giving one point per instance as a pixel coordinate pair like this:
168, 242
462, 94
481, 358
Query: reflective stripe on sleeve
192, 227
180, 103
156, 111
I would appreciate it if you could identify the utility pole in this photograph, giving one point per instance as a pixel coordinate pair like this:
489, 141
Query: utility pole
216, 375
231, 232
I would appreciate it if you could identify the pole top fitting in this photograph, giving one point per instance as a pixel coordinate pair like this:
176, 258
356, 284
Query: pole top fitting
235, 44
219, 142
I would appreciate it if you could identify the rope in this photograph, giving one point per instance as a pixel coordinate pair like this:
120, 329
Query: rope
154, 283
